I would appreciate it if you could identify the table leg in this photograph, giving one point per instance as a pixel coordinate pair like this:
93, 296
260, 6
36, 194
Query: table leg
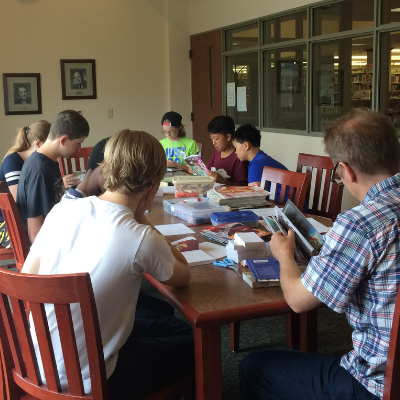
208, 364
301, 331
235, 336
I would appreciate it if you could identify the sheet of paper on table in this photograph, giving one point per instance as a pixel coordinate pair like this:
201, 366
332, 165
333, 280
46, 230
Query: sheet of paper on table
263, 212
213, 249
173, 229
198, 257
321, 228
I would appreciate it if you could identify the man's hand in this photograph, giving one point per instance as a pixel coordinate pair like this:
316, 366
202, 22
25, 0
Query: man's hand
282, 247
217, 177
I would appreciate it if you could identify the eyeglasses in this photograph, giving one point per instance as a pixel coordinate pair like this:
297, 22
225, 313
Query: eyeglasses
171, 132
335, 177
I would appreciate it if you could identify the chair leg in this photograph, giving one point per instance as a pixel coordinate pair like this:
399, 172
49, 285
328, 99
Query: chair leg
235, 336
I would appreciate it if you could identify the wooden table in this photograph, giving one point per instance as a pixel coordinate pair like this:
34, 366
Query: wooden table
218, 296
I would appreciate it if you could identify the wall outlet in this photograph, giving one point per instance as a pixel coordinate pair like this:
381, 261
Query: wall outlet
110, 113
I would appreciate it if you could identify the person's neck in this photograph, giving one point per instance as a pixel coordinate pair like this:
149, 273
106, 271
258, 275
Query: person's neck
27, 153
174, 140
50, 149
129, 200
365, 183
228, 151
252, 152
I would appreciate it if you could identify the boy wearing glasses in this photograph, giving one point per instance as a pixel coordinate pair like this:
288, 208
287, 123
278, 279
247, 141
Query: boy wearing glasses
176, 145
357, 272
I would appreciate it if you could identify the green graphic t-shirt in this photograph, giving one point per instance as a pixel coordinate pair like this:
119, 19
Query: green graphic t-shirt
173, 149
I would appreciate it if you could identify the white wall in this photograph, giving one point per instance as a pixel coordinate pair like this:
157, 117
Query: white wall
138, 71
208, 15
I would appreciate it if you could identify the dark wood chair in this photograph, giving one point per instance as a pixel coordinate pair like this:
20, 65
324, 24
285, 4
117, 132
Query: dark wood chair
295, 185
391, 389
15, 227
326, 196
65, 164
21, 376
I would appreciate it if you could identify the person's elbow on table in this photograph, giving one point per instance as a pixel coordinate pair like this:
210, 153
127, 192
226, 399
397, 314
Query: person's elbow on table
181, 275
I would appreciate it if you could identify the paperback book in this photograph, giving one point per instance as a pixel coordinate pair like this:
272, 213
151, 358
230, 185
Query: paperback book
197, 165
239, 196
225, 232
264, 269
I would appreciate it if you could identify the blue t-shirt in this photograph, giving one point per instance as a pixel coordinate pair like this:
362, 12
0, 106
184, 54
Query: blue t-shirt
11, 169
258, 163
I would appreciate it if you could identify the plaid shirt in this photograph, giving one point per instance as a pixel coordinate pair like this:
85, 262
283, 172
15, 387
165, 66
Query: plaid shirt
358, 272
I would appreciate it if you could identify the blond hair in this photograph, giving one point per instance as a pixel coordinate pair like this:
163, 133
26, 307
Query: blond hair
133, 160
28, 134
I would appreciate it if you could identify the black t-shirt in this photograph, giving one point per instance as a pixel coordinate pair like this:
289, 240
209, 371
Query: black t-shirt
40, 187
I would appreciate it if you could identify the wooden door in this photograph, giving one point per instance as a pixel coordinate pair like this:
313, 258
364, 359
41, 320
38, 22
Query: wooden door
206, 86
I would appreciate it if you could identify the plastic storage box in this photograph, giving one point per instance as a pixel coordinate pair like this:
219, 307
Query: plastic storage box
245, 217
192, 186
169, 204
197, 212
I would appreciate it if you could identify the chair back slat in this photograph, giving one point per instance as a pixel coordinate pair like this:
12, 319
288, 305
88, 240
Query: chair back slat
15, 227
45, 346
391, 388
25, 341
326, 196
60, 291
295, 184
66, 166
70, 352
12, 337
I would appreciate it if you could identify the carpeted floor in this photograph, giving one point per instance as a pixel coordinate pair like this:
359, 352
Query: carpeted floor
334, 338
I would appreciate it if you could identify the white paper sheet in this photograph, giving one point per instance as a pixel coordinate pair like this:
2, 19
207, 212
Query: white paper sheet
168, 189
321, 228
241, 99
263, 212
230, 94
198, 257
173, 229
213, 249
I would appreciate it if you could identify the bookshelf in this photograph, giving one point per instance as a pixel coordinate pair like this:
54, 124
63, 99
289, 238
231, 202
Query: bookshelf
361, 84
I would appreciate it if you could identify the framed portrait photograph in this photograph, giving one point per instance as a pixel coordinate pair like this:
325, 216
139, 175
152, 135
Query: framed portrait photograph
78, 79
22, 94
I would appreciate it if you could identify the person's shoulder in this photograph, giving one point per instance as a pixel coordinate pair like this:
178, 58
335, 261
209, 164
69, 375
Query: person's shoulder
13, 159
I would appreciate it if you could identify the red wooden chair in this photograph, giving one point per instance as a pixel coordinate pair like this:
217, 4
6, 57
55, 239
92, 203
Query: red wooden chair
294, 183
65, 164
326, 196
391, 389
15, 227
22, 379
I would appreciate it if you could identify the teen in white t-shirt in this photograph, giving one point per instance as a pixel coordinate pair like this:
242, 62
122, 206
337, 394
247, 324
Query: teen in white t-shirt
110, 237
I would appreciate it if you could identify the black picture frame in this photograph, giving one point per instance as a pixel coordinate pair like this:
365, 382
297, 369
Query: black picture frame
22, 93
289, 76
78, 79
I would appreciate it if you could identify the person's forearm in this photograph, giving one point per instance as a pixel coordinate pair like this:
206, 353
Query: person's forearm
184, 168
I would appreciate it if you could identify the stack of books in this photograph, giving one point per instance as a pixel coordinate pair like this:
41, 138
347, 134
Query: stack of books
225, 232
245, 245
238, 196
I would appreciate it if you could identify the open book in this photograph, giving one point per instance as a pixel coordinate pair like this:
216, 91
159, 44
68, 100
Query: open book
308, 239
197, 165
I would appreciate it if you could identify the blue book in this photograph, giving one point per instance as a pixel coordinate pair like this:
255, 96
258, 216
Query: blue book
264, 269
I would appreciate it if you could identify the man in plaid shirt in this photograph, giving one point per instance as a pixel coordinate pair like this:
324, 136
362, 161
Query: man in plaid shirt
357, 272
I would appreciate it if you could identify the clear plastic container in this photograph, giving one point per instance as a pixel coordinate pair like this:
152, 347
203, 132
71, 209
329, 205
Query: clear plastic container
169, 204
245, 217
197, 212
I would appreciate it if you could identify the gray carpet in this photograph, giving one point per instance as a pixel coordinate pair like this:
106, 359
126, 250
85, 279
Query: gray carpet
334, 338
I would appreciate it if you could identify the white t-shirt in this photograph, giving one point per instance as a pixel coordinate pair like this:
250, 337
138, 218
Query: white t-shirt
102, 238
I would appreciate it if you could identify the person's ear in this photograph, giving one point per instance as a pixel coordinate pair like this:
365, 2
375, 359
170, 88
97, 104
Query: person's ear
228, 137
63, 139
246, 146
37, 144
348, 172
